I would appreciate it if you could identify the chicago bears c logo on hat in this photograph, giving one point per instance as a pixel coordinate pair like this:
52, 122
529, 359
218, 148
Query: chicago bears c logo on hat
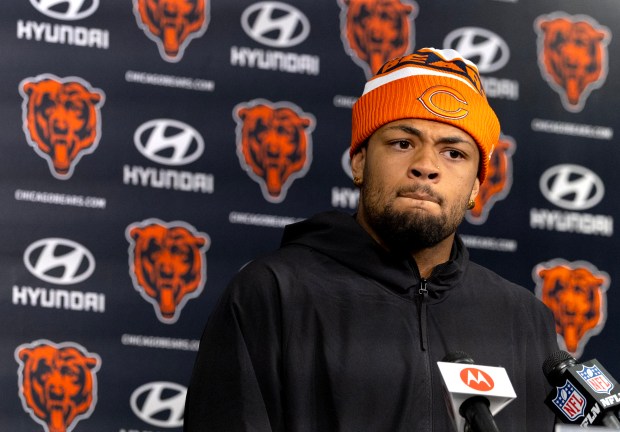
576, 294
444, 102
274, 144
374, 31
57, 383
572, 56
172, 24
62, 120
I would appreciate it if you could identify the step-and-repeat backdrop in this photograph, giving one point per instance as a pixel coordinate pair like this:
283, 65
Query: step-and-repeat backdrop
151, 148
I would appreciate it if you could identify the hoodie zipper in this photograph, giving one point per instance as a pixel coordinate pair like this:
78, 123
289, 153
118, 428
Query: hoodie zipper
422, 302
423, 292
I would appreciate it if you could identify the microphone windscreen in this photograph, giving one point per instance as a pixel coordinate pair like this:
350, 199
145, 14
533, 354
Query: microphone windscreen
554, 366
458, 357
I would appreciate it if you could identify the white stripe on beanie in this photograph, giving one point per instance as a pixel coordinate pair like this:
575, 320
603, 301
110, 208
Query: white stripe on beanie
409, 71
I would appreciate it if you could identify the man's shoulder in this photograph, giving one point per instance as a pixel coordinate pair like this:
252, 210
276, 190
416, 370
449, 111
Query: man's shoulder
515, 299
492, 280
275, 264
285, 256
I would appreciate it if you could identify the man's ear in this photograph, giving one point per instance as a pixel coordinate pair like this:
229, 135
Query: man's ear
357, 163
475, 189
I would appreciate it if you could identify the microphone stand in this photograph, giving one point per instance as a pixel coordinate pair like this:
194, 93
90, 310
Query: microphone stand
471, 409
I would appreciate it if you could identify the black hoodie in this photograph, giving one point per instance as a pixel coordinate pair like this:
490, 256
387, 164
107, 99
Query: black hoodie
333, 333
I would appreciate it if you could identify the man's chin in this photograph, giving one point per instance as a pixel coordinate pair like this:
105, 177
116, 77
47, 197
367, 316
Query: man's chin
411, 229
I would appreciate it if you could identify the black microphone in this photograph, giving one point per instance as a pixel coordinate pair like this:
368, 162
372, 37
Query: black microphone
583, 391
474, 405
458, 357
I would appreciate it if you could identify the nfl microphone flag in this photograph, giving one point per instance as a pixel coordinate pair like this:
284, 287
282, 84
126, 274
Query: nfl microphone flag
587, 396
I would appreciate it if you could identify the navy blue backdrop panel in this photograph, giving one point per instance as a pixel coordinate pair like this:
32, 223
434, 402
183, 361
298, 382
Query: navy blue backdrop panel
151, 148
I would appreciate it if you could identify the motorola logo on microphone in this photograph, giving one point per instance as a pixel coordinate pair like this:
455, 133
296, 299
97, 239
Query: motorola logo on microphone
466, 386
59, 261
477, 379
159, 403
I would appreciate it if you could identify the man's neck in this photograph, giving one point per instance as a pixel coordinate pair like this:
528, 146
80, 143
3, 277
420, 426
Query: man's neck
426, 259
429, 258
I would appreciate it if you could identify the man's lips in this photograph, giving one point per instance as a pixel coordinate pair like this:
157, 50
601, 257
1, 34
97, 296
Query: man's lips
420, 196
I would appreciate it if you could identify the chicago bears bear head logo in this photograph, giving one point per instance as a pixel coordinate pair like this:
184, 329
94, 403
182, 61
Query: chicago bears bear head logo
374, 31
57, 383
167, 264
498, 182
172, 24
572, 55
273, 144
576, 293
61, 120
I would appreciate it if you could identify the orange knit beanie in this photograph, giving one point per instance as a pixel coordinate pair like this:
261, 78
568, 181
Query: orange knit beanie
428, 84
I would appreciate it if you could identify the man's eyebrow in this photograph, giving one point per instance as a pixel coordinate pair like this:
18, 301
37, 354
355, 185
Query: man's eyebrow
407, 129
456, 140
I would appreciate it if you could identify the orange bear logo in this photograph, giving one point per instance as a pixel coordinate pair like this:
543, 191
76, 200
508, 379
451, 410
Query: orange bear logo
576, 293
374, 31
273, 144
57, 383
167, 264
572, 55
62, 120
498, 182
172, 24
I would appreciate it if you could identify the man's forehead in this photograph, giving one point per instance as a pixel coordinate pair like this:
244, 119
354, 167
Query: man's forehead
424, 128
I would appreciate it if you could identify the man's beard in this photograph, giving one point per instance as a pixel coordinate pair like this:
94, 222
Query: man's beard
413, 230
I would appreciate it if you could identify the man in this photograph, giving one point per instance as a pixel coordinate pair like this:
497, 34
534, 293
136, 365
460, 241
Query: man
341, 329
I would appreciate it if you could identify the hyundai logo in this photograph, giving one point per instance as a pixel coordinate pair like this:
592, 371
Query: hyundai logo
275, 24
67, 10
159, 403
168, 142
481, 46
59, 261
572, 187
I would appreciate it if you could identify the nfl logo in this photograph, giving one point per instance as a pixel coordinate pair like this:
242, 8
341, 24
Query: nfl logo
596, 379
570, 401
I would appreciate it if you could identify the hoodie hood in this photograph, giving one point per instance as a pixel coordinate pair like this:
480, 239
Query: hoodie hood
339, 236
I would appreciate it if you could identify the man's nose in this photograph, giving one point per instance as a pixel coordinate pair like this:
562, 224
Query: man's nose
424, 165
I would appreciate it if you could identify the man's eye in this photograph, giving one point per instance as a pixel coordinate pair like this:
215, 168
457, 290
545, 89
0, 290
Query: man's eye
403, 145
454, 154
